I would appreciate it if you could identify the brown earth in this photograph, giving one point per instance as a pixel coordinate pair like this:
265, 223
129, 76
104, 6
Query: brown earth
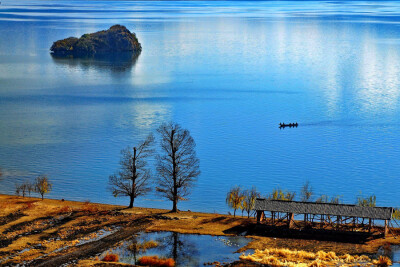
53, 232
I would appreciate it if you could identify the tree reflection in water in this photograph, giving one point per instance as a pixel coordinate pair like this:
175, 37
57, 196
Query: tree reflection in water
180, 248
184, 249
170, 245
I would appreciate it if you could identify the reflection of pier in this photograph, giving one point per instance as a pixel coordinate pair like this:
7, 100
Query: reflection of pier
322, 215
290, 125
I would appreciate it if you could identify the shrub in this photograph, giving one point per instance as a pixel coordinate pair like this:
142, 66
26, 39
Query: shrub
155, 261
111, 258
383, 261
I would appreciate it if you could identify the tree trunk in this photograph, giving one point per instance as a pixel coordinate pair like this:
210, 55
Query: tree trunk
174, 208
175, 197
133, 178
42, 196
131, 202
234, 213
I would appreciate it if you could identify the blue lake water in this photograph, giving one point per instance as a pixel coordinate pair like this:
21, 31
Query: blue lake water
227, 71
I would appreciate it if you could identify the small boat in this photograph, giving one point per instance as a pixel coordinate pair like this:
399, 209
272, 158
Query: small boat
283, 125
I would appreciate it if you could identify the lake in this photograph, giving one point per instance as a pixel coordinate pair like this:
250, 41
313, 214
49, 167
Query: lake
229, 72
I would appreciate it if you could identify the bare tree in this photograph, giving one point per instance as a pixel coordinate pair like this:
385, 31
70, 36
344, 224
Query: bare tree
249, 200
24, 188
18, 189
306, 192
133, 177
177, 164
42, 185
30, 187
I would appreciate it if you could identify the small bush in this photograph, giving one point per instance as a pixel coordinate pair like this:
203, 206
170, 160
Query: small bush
111, 258
155, 261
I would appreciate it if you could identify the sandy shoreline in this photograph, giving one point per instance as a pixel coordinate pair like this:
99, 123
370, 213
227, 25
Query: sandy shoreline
32, 230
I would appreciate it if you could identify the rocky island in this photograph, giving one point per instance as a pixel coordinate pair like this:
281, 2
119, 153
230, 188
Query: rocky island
116, 39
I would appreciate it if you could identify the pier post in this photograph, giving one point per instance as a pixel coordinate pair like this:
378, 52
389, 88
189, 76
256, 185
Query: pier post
321, 221
386, 228
260, 215
291, 220
338, 222
370, 225
305, 220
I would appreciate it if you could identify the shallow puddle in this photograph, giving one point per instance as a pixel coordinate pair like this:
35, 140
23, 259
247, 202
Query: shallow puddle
393, 254
185, 249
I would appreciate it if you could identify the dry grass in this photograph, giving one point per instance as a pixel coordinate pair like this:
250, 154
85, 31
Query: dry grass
64, 209
383, 261
286, 257
29, 205
90, 208
88, 218
155, 261
143, 246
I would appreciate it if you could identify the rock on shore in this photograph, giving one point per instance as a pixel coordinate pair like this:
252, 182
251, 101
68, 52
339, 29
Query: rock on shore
116, 39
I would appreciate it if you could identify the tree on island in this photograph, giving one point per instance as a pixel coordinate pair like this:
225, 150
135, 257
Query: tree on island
42, 185
177, 164
133, 177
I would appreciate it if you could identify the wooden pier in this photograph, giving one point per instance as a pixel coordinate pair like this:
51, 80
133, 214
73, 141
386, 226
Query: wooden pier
322, 215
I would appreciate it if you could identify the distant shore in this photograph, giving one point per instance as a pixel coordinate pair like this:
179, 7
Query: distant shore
27, 222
